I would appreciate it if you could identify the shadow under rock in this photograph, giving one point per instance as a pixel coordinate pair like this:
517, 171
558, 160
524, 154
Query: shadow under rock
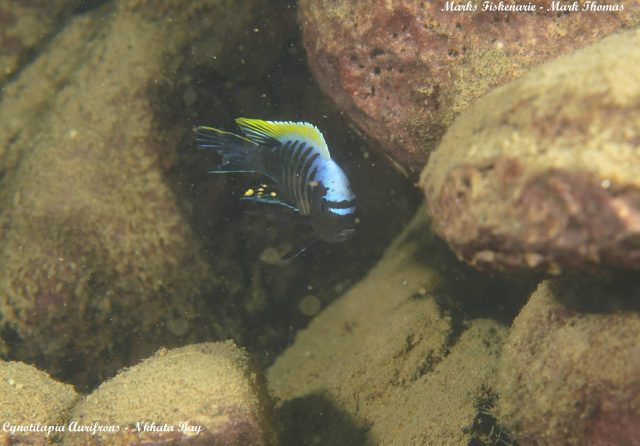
315, 420
465, 292
606, 293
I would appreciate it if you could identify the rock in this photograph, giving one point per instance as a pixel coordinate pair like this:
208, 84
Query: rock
543, 173
111, 226
570, 372
95, 246
403, 70
397, 344
202, 394
24, 27
30, 401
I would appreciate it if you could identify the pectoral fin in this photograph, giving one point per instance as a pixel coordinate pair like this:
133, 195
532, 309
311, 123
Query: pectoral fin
295, 252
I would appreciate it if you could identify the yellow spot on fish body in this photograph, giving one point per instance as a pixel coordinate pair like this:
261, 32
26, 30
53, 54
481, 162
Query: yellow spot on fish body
273, 194
249, 192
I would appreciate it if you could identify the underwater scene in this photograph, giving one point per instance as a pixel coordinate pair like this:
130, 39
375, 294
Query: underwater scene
320, 222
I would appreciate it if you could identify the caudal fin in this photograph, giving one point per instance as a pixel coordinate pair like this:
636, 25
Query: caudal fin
238, 153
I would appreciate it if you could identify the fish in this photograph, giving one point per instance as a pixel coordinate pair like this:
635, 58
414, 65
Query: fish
296, 158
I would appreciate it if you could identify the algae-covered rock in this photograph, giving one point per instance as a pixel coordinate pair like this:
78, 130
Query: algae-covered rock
33, 407
544, 173
398, 359
24, 26
570, 372
95, 246
403, 70
204, 394
114, 238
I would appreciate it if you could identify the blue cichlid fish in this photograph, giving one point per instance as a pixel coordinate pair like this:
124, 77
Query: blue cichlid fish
295, 156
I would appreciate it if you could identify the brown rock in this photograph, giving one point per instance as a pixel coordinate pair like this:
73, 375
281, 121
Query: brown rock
570, 372
95, 247
544, 172
403, 70
202, 394
33, 407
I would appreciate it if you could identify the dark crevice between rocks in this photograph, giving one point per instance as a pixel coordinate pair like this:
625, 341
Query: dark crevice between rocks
465, 293
584, 293
315, 420
484, 429
258, 302
427, 364
9, 338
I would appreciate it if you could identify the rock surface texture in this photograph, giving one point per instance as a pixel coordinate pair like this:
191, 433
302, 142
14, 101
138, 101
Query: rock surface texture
403, 70
211, 387
389, 363
91, 229
30, 398
111, 226
24, 27
570, 372
544, 173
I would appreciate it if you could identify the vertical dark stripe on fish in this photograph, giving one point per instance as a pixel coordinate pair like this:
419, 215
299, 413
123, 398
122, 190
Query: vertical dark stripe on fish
304, 178
293, 152
296, 171
291, 178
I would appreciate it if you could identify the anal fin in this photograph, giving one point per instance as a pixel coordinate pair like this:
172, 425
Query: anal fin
262, 194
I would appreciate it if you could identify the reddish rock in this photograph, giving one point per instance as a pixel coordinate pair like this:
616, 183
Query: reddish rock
543, 173
570, 372
403, 70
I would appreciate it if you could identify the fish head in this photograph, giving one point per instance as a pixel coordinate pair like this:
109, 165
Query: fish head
333, 209
334, 222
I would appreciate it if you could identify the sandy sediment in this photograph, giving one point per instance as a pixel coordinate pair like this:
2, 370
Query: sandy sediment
33, 406
201, 394
394, 360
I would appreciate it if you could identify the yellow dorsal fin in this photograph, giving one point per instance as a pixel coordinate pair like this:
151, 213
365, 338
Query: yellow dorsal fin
261, 132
